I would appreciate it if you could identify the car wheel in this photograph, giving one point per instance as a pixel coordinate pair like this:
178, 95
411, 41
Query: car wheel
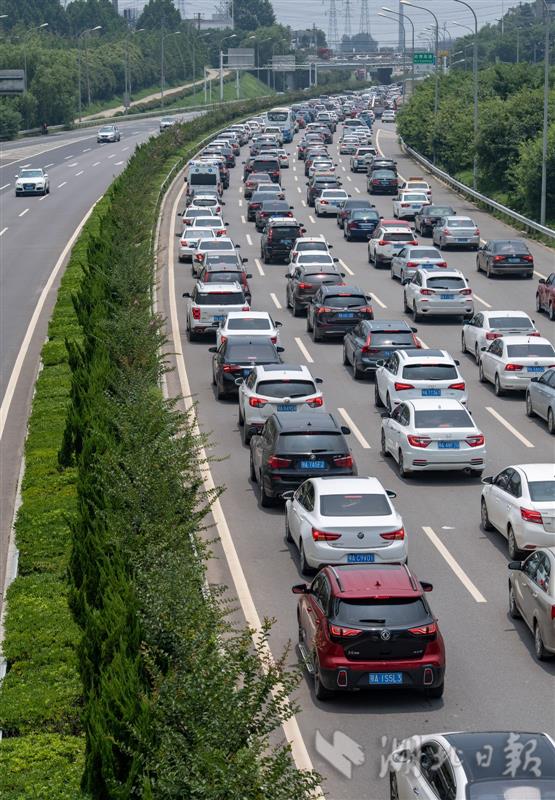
252, 470
403, 472
388, 403
315, 335
463, 343
481, 376
320, 691
529, 407
370, 259
488, 272
514, 551
393, 792
514, 613
552, 312
550, 422
316, 212
305, 567
346, 361
499, 391
191, 337
384, 451
484, 516
297, 311
265, 500
406, 308
539, 647
308, 323
435, 692
477, 354
288, 537
357, 373
240, 417
220, 394
377, 398
478, 267
415, 313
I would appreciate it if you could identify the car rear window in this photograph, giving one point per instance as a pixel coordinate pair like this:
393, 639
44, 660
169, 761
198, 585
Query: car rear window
248, 324
354, 505
414, 197
247, 351
219, 299
392, 337
460, 223
528, 350
286, 388
284, 232
207, 222
446, 282
214, 259
267, 165
422, 252
225, 276
512, 246
205, 201
337, 193
345, 300
216, 244
315, 258
443, 418
391, 612
430, 372
398, 237
505, 323
365, 214
542, 491
311, 442
300, 246
323, 277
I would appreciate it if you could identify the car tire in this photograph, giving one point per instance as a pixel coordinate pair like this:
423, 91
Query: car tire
296, 310
377, 399
308, 325
403, 472
481, 377
406, 308
304, 566
497, 388
316, 337
484, 516
538, 303
514, 613
265, 500
550, 422
476, 353
191, 337
539, 647
251, 469
240, 418
393, 791
357, 374
220, 394
370, 259
316, 212
478, 267
383, 449
515, 554
435, 692
463, 343
388, 403
346, 361
320, 691
415, 314
551, 312
288, 537
529, 407
489, 274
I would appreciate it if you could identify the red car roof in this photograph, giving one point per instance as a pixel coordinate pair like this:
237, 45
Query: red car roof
384, 580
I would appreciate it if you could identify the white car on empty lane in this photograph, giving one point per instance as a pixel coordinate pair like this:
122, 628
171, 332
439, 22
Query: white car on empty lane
32, 181
511, 363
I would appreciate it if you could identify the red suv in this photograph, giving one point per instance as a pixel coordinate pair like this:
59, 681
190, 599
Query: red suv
369, 627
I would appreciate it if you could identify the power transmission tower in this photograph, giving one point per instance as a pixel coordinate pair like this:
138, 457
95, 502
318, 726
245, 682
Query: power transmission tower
333, 33
181, 8
347, 29
364, 25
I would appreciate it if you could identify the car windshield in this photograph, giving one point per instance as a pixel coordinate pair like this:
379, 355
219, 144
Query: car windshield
248, 324
31, 173
524, 789
106, 129
530, 350
422, 252
443, 418
219, 299
391, 611
354, 505
430, 372
445, 282
460, 223
344, 300
542, 491
286, 388
503, 323
311, 442
511, 246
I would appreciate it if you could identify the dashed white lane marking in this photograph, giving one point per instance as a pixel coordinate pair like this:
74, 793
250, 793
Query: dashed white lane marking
377, 300
455, 566
296, 177
243, 220
66, 158
112, 155
75, 163
5, 186
3, 231
259, 266
357, 190
23, 212
123, 149
63, 183
303, 350
249, 240
96, 163
517, 434
240, 204
482, 301
343, 168
86, 150
311, 218
347, 269
25, 165
273, 296
540, 275
240, 189
355, 429
118, 163
44, 197
79, 173
349, 179
300, 192
294, 168
303, 201
49, 165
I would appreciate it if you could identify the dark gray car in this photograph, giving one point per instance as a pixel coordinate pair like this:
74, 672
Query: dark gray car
373, 341
532, 597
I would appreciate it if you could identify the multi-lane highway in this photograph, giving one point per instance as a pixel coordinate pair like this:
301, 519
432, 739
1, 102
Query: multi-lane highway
34, 237
493, 680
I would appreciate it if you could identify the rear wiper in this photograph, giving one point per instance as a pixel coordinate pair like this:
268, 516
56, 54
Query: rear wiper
320, 450
379, 621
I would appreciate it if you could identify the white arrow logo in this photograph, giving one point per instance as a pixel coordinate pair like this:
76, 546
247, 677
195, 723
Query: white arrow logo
342, 753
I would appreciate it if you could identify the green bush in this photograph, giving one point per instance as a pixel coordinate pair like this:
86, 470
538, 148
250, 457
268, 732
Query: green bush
41, 767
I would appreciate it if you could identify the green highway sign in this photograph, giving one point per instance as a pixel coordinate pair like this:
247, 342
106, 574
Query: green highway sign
423, 58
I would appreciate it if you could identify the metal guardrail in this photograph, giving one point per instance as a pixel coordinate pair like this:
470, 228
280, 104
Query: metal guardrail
526, 223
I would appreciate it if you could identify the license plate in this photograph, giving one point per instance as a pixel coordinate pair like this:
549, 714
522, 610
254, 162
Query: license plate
534, 369
360, 558
381, 678
431, 392
345, 315
246, 371
425, 266
462, 240
386, 353
312, 464
447, 297
513, 260
448, 445
364, 226
219, 317
286, 407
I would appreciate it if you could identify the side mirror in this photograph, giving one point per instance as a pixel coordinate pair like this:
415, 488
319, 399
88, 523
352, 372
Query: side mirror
380, 363
186, 294
278, 324
303, 230
288, 495
248, 276
483, 349
336, 260
345, 430
46, 174
428, 587
287, 275
414, 330
291, 208
392, 495
542, 282
280, 349
318, 380
385, 415
237, 245
405, 281
330, 247
342, 274
212, 349
487, 480
516, 565
226, 223
534, 380
457, 362
244, 261
238, 381
300, 588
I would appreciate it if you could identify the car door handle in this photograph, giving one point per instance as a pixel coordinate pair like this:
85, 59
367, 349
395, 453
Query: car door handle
309, 611
534, 594
415, 790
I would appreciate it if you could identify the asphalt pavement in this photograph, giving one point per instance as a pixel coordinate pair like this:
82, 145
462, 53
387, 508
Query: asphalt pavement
492, 680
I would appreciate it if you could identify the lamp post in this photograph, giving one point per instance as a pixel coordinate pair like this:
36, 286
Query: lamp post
436, 93
79, 37
232, 36
543, 194
24, 42
127, 79
475, 87
163, 64
404, 17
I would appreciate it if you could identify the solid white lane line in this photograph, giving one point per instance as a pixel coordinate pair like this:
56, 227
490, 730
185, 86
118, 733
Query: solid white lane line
455, 566
347, 269
540, 275
5, 186
63, 183
44, 197
311, 218
18, 365
259, 266
118, 163
273, 296
355, 429
482, 301
3, 231
290, 727
249, 240
357, 190
23, 212
96, 163
79, 173
303, 350
243, 220
375, 297
526, 442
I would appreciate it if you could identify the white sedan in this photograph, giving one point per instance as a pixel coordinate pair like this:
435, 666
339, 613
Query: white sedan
327, 203
417, 185
409, 203
247, 323
344, 521
315, 258
407, 260
429, 434
510, 364
485, 326
189, 239
520, 503
410, 374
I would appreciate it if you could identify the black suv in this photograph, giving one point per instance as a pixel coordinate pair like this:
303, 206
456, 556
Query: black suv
235, 358
372, 341
347, 206
294, 447
257, 199
269, 209
317, 185
305, 282
335, 310
361, 224
278, 239
382, 181
428, 217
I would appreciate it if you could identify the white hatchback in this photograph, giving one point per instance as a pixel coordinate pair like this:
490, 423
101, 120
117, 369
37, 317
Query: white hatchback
346, 520
442, 292
411, 374
248, 323
520, 503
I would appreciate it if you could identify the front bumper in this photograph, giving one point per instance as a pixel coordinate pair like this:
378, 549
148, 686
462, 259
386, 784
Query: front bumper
21, 191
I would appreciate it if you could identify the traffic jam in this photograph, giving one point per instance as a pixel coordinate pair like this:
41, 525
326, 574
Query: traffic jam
351, 385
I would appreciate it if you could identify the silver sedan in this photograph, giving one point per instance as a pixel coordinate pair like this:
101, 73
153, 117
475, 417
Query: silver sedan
532, 597
540, 398
456, 232
407, 260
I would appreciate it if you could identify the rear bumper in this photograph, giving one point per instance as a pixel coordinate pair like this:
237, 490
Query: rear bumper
276, 484
336, 328
451, 241
445, 461
444, 310
320, 553
426, 675
512, 269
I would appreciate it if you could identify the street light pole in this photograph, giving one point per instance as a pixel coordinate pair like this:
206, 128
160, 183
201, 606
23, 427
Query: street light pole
543, 195
163, 65
127, 79
402, 18
232, 36
475, 82
79, 37
24, 42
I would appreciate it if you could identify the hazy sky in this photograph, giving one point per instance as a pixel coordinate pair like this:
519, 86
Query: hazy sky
302, 15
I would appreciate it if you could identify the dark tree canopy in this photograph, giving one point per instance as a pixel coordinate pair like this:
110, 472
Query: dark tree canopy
159, 13
83, 14
33, 12
253, 14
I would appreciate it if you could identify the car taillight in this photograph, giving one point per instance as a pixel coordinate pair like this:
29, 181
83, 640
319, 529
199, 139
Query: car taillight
491, 335
221, 232
324, 536
366, 310
382, 242
223, 339
375, 181
196, 313
419, 441
273, 339
198, 257
529, 515
460, 387
441, 263
232, 368
324, 202
343, 461
477, 232
257, 402
305, 286
324, 310
245, 308
414, 242
424, 630
513, 367
412, 263
499, 258
426, 291
275, 462
446, 230
475, 441
316, 402
394, 536
400, 387
465, 291
340, 631
405, 205
527, 258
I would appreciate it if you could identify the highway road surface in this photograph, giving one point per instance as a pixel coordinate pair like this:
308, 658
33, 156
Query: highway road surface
493, 680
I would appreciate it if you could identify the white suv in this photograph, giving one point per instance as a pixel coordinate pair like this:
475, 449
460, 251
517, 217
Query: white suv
441, 291
209, 304
387, 241
276, 387
408, 374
